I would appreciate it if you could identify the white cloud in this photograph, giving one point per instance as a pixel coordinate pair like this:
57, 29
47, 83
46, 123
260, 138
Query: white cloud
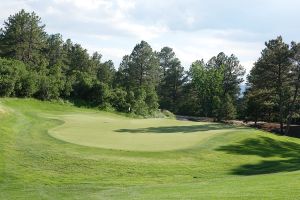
109, 53
105, 14
141, 32
85, 4
191, 46
190, 27
190, 18
126, 5
117, 53
11, 7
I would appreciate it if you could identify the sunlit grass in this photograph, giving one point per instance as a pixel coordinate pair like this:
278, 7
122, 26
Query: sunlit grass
113, 157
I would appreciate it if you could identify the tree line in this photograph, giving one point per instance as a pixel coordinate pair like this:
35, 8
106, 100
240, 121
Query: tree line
36, 64
273, 85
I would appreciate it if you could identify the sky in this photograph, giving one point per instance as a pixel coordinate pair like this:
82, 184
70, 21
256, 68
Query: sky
195, 29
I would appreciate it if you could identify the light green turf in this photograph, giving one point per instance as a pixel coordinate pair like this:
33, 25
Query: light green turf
137, 159
115, 132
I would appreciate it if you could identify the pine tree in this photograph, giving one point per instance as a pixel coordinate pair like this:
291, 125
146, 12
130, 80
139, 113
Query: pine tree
23, 38
172, 79
272, 73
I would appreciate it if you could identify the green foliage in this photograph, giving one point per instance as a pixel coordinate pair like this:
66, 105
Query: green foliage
232, 73
143, 66
223, 109
27, 84
119, 100
189, 101
216, 107
227, 110
172, 80
99, 95
259, 105
139, 106
208, 84
139, 75
23, 38
272, 73
151, 99
13, 77
54, 52
106, 72
216, 86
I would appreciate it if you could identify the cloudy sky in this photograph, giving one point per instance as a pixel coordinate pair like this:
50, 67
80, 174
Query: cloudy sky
195, 29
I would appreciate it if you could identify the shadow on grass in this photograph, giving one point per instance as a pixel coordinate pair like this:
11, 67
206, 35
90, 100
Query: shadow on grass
177, 129
286, 156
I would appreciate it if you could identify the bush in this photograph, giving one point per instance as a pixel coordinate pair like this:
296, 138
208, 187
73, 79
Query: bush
28, 85
99, 95
139, 106
119, 100
11, 76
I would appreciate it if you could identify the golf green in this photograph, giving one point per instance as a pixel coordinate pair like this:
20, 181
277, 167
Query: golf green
114, 132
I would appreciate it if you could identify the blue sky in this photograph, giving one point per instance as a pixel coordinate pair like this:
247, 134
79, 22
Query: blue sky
195, 29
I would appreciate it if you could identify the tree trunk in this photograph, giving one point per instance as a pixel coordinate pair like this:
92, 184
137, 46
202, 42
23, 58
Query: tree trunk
291, 112
280, 99
141, 75
281, 117
281, 127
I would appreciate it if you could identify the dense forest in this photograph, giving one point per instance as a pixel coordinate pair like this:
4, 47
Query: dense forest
36, 64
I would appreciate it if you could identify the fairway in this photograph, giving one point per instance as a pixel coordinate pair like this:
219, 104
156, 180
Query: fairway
2, 110
58, 151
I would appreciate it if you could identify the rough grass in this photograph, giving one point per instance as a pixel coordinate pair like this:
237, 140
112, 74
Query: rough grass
228, 163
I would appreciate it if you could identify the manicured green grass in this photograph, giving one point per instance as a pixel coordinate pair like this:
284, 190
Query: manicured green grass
55, 151
115, 132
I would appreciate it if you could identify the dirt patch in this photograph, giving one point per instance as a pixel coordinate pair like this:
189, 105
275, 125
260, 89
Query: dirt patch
269, 127
275, 128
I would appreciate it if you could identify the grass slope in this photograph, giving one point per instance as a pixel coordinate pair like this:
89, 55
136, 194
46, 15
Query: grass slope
52, 151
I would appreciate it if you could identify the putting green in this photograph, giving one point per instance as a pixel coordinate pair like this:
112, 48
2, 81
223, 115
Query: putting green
115, 132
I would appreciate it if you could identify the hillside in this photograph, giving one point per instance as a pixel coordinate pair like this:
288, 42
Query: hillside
56, 151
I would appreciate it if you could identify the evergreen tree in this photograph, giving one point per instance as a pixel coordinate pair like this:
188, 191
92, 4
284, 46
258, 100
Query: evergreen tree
233, 73
23, 38
166, 56
295, 84
272, 73
172, 80
55, 52
139, 74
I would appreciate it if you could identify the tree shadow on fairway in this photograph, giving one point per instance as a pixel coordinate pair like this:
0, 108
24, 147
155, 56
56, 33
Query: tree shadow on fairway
286, 156
177, 129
